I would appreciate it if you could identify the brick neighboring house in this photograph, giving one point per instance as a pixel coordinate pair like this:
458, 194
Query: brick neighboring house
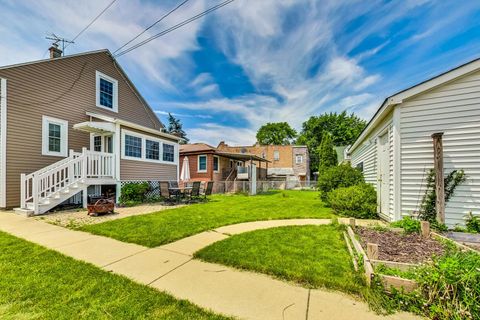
207, 163
289, 162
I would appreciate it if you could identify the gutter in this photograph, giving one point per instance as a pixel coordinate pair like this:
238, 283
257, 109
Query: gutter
133, 125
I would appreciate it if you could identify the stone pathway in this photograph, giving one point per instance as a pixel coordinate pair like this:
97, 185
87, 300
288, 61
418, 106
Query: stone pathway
170, 268
79, 217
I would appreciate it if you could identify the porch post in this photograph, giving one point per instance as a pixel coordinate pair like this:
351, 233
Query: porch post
84, 197
439, 182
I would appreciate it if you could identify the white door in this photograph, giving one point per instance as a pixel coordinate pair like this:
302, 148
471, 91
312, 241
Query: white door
383, 166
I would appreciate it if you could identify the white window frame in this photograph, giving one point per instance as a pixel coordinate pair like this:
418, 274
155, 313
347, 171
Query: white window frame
276, 158
161, 155
218, 163
98, 76
198, 163
160, 148
144, 138
63, 136
298, 156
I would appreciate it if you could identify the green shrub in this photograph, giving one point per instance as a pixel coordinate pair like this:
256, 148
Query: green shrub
358, 201
338, 177
449, 288
408, 224
134, 192
473, 223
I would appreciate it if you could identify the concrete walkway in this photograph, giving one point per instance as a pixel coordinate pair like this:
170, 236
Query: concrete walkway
170, 268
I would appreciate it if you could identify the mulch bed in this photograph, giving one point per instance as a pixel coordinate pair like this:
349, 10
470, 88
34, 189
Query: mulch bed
400, 247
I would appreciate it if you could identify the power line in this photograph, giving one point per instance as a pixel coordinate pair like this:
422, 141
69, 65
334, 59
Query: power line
152, 25
84, 69
94, 19
179, 25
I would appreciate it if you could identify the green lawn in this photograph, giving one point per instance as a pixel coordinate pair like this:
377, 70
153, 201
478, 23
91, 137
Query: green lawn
37, 283
313, 256
169, 225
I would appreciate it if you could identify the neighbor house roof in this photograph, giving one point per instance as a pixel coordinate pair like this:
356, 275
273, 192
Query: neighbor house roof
400, 96
203, 147
196, 147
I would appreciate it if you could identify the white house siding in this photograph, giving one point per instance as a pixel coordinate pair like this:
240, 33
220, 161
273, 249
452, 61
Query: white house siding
454, 109
367, 153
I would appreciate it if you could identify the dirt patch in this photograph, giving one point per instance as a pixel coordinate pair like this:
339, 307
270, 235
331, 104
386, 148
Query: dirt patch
400, 247
79, 217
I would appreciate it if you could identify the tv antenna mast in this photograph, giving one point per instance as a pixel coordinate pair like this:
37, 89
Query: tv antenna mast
56, 39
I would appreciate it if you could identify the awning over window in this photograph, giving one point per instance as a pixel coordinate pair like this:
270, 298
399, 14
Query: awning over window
95, 127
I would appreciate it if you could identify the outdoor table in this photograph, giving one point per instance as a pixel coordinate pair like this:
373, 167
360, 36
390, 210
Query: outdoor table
179, 192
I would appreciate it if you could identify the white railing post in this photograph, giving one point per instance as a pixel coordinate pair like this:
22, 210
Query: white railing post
71, 171
23, 194
35, 193
84, 162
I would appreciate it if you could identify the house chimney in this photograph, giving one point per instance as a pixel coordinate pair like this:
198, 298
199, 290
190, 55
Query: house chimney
54, 51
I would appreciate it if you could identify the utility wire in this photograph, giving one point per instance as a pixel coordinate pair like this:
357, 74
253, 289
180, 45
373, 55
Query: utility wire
84, 66
94, 19
152, 25
179, 25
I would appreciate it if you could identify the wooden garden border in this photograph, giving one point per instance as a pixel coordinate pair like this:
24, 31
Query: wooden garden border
388, 281
458, 244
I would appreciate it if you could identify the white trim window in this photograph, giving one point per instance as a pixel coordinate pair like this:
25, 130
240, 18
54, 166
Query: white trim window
216, 164
152, 149
276, 155
168, 152
141, 147
97, 143
202, 163
298, 159
133, 146
54, 137
106, 92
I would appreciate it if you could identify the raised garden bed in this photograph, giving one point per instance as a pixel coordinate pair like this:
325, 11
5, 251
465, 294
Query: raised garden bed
399, 247
381, 250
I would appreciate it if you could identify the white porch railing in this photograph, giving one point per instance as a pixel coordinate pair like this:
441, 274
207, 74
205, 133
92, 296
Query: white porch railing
52, 180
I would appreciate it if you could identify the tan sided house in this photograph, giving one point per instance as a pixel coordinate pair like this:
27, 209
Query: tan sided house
70, 125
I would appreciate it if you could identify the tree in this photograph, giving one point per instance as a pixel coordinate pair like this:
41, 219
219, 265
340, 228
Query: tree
175, 127
276, 133
327, 156
343, 128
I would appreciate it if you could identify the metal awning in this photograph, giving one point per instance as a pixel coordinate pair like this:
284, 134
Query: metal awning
241, 156
95, 127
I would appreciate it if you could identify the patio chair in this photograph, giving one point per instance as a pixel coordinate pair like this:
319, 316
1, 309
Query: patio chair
165, 192
208, 190
173, 184
195, 192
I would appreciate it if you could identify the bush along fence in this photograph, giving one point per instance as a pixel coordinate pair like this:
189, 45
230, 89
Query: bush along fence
137, 191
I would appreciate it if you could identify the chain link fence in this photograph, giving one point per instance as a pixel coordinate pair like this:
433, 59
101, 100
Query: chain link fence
220, 187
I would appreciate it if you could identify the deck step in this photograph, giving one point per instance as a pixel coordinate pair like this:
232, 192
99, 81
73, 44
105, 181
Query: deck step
24, 212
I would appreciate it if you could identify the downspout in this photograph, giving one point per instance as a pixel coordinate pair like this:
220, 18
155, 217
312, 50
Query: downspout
3, 143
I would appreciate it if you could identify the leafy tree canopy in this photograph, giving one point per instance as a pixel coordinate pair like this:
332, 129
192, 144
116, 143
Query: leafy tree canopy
175, 127
276, 133
343, 129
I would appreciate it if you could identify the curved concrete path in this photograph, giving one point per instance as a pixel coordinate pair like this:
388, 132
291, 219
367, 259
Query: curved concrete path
170, 268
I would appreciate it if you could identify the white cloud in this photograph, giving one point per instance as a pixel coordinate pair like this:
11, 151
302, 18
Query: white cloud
182, 115
213, 133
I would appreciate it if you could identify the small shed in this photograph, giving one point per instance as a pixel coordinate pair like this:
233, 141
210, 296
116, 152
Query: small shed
395, 150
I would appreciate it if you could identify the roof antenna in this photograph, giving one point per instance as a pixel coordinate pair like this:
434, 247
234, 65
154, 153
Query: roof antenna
56, 39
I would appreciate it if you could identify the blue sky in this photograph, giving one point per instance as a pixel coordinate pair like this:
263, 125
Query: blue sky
258, 61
